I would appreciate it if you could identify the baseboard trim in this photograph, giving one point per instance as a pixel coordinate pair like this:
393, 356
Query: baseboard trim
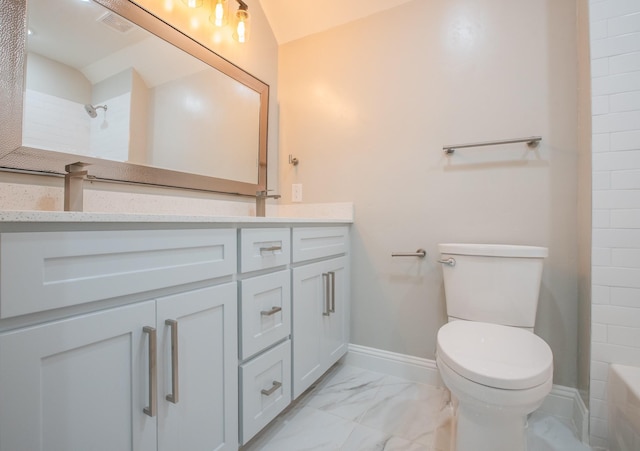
415, 369
563, 402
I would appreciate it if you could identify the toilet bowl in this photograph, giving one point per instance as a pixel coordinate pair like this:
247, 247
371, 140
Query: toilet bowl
497, 370
498, 374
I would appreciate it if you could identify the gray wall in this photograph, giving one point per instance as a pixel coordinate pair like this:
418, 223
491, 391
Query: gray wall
367, 107
51, 77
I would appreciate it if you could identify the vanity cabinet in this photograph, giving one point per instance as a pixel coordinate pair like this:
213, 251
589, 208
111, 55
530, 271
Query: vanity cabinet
163, 338
155, 374
320, 302
265, 327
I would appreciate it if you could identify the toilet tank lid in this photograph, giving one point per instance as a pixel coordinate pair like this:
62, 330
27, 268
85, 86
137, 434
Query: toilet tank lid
493, 250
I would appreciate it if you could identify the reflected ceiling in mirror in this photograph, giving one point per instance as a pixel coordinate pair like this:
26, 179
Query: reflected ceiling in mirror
133, 100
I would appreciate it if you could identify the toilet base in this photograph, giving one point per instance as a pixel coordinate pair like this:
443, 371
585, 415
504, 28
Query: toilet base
487, 418
489, 431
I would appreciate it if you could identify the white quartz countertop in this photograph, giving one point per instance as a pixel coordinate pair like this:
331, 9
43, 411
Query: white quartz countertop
94, 217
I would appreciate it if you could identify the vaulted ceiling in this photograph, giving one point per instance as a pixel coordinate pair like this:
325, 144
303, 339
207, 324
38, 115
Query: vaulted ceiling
294, 19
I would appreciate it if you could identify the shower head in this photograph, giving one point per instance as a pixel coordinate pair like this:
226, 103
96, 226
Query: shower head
91, 110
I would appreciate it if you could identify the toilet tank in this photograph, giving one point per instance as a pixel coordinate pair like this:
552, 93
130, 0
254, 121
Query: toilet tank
493, 283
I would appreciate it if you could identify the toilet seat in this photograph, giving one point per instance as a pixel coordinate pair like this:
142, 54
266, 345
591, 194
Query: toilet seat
494, 355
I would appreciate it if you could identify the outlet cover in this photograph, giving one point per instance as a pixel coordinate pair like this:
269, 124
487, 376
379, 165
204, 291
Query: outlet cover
296, 192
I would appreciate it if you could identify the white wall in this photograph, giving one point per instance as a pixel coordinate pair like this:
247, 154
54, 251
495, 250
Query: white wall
54, 78
615, 66
366, 108
205, 123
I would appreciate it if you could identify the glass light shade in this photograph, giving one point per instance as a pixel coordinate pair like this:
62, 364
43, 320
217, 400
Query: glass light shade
193, 3
219, 12
241, 26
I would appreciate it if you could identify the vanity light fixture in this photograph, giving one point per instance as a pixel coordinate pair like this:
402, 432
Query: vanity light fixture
193, 3
219, 12
241, 23
219, 16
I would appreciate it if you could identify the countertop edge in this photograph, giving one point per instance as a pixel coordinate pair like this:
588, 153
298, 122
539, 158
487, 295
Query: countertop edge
22, 216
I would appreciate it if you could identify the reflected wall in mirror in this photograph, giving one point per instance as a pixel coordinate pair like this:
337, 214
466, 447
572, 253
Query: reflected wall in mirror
138, 104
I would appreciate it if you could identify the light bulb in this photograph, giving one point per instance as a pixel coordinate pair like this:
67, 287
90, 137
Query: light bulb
219, 15
241, 31
193, 3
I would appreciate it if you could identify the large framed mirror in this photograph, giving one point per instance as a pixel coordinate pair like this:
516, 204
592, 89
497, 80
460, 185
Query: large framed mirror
106, 83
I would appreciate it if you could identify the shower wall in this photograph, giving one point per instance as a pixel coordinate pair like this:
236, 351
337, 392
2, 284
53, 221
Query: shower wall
615, 313
109, 131
54, 106
55, 117
55, 123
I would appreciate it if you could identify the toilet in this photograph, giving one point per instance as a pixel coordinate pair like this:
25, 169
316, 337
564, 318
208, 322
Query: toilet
497, 370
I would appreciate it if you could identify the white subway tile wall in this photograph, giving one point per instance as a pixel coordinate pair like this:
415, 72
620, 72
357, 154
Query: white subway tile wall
615, 74
54, 123
110, 129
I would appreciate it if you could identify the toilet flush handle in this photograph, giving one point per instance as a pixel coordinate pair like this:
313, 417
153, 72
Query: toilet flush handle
449, 261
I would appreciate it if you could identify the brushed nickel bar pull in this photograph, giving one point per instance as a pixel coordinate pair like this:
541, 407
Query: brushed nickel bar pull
325, 278
153, 372
273, 311
174, 396
276, 385
532, 141
449, 261
332, 277
271, 249
419, 253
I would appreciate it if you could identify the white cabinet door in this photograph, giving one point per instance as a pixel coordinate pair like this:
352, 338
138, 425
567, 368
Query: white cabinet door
308, 305
205, 414
320, 313
335, 326
78, 384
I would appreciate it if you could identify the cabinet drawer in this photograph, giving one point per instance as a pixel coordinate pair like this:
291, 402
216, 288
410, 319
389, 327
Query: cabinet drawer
264, 248
265, 389
265, 304
319, 242
46, 270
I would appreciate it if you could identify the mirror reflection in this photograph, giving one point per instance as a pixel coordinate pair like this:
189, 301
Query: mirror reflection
99, 86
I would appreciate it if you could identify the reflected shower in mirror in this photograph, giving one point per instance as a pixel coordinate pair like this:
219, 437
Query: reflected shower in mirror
99, 86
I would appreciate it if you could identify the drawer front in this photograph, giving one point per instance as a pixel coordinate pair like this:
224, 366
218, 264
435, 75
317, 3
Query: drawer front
46, 270
265, 387
318, 242
264, 248
265, 304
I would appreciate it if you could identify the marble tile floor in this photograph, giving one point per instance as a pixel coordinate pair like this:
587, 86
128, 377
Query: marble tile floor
351, 409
